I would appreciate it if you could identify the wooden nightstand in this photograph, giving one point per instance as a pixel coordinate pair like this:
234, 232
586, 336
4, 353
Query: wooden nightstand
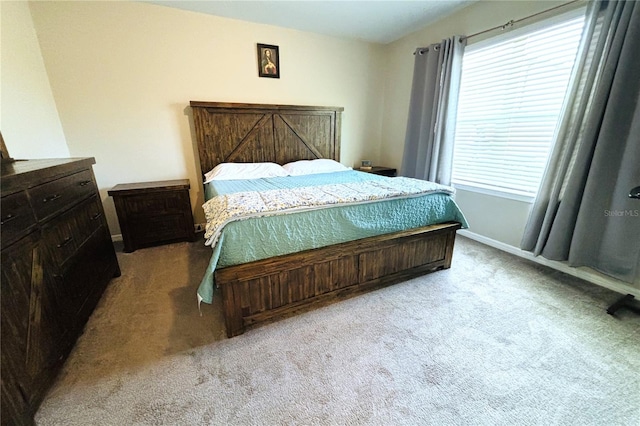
379, 170
152, 213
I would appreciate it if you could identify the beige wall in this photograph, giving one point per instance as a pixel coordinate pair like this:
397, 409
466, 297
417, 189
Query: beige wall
493, 217
123, 73
28, 117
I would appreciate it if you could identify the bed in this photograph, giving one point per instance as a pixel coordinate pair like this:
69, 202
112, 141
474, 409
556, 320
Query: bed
259, 289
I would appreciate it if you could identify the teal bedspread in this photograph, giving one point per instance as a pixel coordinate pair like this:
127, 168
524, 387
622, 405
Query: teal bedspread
263, 237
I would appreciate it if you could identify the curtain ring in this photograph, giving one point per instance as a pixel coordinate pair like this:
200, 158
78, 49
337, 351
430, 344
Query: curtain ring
508, 24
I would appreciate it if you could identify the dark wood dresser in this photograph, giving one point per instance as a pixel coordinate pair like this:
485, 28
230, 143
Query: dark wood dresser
152, 213
57, 259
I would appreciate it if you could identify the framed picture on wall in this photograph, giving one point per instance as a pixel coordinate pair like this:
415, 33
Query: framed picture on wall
268, 61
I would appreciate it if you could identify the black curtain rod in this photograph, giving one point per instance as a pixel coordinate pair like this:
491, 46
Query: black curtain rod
507, 25
513, 22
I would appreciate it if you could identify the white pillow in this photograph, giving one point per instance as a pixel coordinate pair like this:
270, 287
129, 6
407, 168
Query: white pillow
234, 171
309, 167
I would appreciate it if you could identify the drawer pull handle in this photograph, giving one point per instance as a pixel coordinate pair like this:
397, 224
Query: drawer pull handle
51, 198
65, 242
85, 183
7, 218
96, 216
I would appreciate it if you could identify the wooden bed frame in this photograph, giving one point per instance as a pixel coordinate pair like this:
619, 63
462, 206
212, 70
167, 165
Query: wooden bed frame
273, 288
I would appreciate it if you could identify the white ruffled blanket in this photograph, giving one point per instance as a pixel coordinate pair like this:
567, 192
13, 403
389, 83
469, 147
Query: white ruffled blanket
223, 209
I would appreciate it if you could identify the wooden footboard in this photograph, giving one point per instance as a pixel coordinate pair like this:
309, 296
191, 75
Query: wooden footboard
280, 286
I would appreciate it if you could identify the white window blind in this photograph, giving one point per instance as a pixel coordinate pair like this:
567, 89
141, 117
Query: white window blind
511, 94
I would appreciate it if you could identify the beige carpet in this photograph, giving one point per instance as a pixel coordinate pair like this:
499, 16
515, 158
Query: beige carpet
495, 340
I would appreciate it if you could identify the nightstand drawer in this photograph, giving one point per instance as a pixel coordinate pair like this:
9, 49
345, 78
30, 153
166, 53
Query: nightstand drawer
50, 198
158, 203
17, 217
160, 228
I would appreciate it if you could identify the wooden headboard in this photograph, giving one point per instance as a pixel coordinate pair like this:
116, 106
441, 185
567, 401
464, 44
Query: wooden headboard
251, 133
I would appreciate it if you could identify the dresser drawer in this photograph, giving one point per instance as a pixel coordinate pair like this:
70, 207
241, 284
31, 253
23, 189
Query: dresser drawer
49, 198
83, 280
17, 217
90, 217
65, 234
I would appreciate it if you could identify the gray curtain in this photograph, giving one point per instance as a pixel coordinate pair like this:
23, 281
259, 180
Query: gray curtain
428, 147
583, 213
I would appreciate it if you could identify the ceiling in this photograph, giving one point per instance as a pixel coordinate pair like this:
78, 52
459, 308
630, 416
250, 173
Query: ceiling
377, 21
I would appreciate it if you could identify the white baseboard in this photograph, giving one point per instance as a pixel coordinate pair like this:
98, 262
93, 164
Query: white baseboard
584, 273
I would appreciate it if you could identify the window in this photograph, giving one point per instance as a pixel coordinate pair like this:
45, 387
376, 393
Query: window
511, 94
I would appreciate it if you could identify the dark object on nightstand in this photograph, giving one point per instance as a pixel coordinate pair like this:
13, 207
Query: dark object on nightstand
152, 213
379, 170
57, 259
